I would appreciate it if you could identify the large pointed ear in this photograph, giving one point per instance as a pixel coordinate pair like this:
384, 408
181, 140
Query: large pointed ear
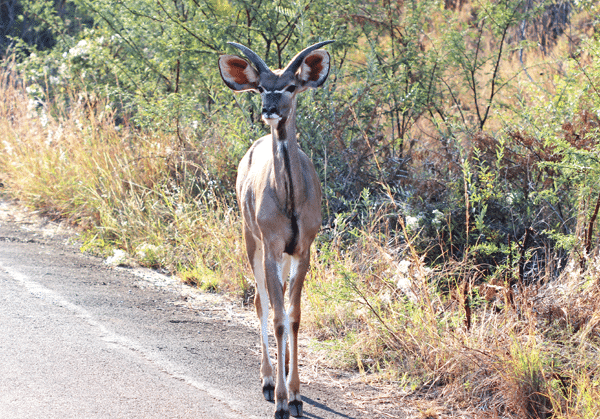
238, 74
314, 69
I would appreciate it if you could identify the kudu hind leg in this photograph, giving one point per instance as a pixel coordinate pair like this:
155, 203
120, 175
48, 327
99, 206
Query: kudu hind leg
261, 303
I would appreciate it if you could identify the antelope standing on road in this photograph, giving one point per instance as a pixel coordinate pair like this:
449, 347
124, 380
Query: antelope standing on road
279, 195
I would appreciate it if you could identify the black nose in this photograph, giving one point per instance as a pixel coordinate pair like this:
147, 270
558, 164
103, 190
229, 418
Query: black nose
268, 111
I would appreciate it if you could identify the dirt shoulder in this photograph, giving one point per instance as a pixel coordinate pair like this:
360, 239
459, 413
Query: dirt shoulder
190, 330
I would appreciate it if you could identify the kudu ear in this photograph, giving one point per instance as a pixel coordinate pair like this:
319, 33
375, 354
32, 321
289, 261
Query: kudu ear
238, 74
314, 69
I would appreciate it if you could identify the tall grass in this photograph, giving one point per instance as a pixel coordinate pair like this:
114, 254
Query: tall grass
135, 191
532, 355
370, 301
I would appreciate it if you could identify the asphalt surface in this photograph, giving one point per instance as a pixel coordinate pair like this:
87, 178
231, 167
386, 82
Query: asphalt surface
82, 339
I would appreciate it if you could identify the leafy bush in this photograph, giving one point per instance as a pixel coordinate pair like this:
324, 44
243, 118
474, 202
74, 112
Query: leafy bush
459, 165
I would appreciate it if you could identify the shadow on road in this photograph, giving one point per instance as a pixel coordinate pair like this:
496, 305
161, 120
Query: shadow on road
322, 407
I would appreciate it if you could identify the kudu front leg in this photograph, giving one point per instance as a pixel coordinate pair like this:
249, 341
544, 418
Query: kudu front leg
273, 271
261, 303
266, 369
298, 270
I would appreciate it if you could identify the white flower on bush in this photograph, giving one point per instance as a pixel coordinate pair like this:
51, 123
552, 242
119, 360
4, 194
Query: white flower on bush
510, 198
80, 49
403, 279
33, 89
412, 223
63, 70
403, 266
119, 257
44, 118
145, 250
32, 105
438, 217
404, 284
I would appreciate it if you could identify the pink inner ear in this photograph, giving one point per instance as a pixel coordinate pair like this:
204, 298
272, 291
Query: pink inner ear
236, 69
315, 63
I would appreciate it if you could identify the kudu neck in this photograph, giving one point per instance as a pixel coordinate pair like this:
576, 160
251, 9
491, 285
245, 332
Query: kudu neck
285, 130
289, 183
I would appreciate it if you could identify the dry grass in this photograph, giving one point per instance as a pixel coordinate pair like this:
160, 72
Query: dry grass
370, 303
533, 355
133, 191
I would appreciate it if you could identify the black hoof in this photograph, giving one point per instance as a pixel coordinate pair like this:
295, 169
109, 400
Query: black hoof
282, 414
296, 408
269, 392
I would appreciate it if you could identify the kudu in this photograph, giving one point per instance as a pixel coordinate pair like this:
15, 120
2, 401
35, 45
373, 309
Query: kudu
279, 195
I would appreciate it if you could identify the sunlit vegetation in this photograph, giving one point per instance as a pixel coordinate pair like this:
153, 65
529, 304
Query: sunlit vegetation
457, 145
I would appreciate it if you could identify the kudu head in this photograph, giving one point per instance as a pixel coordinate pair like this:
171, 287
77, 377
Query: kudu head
278, 88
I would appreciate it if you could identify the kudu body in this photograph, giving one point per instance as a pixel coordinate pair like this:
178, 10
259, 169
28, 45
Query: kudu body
279, 195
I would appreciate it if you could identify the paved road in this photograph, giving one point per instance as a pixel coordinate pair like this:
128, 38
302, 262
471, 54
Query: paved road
80, 339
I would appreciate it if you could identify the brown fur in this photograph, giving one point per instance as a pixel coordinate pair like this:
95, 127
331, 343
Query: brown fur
279, 195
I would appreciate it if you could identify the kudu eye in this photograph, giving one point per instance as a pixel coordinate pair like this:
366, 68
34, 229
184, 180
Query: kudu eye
291, 89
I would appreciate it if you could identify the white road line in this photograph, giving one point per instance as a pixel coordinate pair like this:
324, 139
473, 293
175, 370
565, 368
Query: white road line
40, 291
